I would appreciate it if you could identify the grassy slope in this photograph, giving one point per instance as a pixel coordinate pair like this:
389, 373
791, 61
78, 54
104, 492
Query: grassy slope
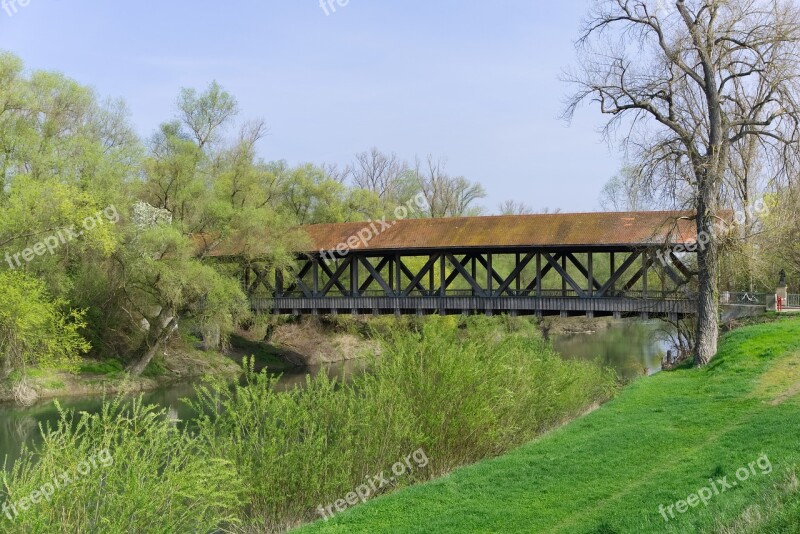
659, 441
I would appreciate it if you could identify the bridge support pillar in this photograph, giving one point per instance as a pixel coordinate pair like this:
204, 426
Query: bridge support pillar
645, 316
564, 314
590, 315
617, 315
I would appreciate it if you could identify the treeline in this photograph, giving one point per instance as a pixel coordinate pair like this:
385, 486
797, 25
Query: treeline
104, 236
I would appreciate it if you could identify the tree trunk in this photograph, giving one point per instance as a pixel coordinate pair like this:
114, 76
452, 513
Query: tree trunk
708, 263
158, 333
5, 367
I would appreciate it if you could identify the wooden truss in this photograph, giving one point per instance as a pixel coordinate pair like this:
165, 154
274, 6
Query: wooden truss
641, 274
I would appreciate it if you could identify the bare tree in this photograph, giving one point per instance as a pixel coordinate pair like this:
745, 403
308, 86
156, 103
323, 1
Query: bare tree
446, 196
512, 207
626, 192
685, 83
378, 172
339, 175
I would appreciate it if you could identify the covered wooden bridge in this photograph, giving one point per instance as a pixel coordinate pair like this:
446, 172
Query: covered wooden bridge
593, 264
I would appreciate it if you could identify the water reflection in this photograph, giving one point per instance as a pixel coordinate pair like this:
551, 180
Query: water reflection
632, 348
21, 425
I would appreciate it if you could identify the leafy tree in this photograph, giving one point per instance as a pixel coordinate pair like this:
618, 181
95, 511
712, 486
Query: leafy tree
33, 328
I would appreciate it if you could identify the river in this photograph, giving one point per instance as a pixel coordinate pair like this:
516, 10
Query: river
631, 348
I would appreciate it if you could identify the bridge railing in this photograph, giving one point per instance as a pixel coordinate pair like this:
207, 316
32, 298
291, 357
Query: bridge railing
750, 299
545, 293
793, 301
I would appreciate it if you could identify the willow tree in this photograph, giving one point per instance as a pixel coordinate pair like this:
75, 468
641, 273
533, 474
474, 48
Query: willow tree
682, 83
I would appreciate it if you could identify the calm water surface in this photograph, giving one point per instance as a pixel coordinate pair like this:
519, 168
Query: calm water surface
632, 348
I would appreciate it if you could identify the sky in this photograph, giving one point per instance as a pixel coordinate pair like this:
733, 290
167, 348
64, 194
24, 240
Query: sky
474, 82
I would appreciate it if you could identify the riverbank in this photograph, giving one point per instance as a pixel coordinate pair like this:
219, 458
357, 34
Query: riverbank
180, 362
250, 458
618, 468
308, 342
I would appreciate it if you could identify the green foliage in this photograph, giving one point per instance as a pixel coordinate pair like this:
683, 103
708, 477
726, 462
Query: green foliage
460, 394
33, 327
111, 368
153, 477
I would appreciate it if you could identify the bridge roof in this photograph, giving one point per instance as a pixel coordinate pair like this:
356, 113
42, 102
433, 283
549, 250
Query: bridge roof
619, 229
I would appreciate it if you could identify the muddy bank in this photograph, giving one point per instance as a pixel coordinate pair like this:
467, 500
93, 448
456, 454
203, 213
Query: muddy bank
106, 378
311, 341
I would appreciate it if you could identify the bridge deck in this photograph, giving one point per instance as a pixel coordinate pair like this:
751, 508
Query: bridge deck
468, 305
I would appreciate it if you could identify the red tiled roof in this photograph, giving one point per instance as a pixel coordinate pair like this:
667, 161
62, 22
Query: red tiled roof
551, 230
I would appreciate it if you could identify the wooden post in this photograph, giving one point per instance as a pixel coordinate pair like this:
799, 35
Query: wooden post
474, 271
354, 277
391, 277
519, 276
442, 277
315, 276
612, 260
590, 261
539, 274
398, 272
489, 271
431, 279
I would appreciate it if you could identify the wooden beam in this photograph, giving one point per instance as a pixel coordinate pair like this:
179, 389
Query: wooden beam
515, 273
452, 276
583, 270
370, 278
398, 274
427, 268
646, 262
541, 272
565, 277
618, 274
375, 274
462, 269
539, 275
496, 277
334, 277
410, 276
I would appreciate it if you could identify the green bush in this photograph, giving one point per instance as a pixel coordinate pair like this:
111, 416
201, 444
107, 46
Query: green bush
459, 390
263, 460
144, 475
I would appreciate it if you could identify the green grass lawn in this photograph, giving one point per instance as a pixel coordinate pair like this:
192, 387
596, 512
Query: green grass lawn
659, 441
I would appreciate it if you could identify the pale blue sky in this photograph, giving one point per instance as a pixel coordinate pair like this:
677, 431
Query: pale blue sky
474, 81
